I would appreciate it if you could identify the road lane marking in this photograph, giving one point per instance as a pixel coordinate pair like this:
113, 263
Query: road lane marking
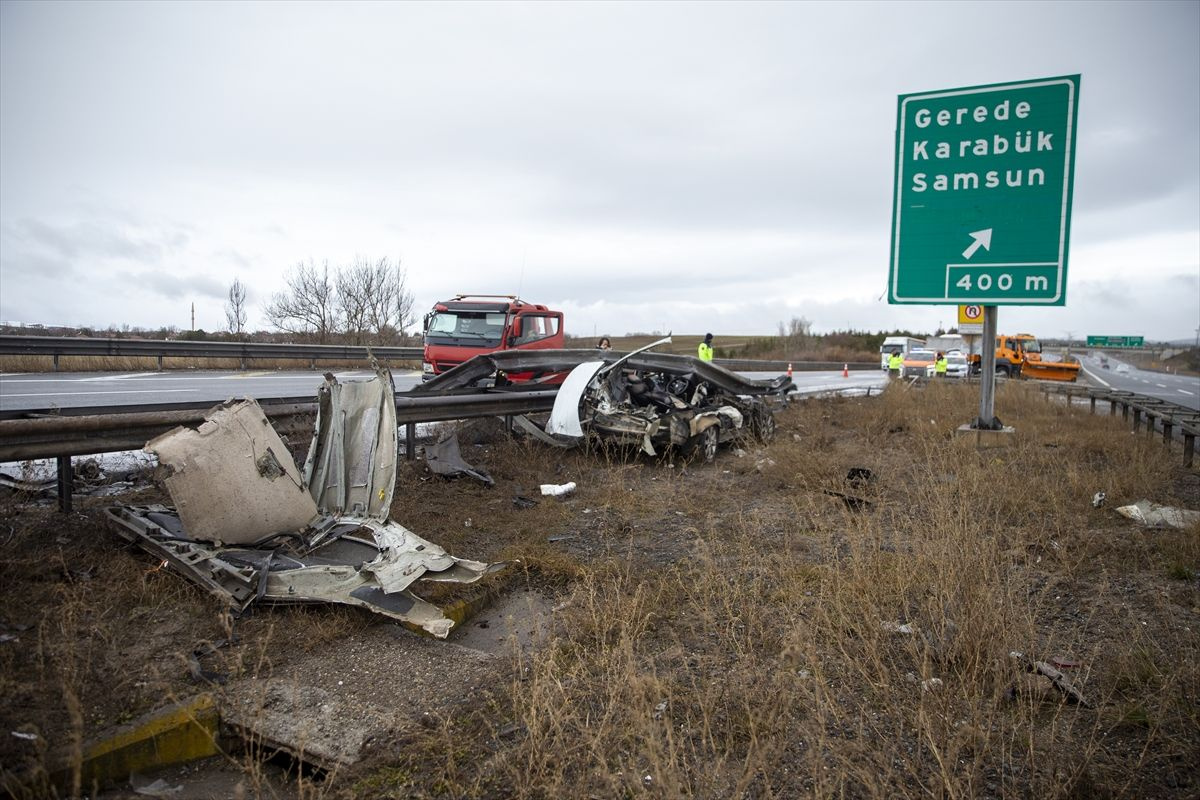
1094, 376
126, 377
88, 394
1185, 391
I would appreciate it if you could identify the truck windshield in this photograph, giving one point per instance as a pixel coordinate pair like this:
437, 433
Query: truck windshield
462, 327
1031, 345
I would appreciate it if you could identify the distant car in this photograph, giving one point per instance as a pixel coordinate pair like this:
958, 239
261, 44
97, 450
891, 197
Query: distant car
1123, 369
1105, 365
916, 362
956, 365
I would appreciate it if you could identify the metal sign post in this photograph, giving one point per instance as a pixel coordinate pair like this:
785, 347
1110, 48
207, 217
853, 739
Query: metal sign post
987, 377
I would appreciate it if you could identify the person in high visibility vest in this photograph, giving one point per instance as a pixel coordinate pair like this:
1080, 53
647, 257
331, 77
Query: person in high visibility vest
939, 366
895, 361
705, 351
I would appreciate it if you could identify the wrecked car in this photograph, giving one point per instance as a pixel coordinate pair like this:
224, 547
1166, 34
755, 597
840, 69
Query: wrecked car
650, 400
249, 527
659, 402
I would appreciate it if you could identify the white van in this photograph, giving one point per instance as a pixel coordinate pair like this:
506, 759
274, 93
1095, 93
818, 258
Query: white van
902, 343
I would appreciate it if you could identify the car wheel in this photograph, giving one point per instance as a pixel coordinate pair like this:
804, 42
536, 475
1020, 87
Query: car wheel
704, 444
1004, 369
764, 425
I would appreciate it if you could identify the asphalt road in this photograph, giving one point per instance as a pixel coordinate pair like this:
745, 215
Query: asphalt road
22, 391
1181, 389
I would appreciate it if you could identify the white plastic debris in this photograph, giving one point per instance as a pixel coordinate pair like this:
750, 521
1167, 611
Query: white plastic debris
1153, 515
896, 627
158, 788
29, 737
558, 489
933, 684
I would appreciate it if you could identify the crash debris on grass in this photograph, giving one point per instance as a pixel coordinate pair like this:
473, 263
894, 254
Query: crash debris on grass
99, 475
444, 457
247, 526
1153, 515
1057, 678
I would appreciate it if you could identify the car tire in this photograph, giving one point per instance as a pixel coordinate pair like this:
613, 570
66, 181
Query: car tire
703, 446
763, 425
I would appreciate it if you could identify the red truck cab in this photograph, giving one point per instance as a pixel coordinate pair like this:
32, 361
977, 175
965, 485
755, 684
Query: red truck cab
466, 326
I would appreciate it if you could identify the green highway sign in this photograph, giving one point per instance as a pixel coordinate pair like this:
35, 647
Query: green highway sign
982, 210
1115, 341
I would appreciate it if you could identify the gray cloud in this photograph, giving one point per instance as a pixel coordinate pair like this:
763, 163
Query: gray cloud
175, 287
641, 153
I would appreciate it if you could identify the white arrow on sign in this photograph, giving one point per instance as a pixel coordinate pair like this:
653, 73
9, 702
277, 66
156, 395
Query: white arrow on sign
982, 239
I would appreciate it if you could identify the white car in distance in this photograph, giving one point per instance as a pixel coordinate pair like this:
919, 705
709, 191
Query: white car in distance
956, 366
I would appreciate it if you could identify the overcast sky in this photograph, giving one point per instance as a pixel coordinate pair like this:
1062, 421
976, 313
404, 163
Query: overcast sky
641, 166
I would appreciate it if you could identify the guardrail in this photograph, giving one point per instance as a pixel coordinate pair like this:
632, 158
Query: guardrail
56, 346
51, 436
38, 435
1168, 416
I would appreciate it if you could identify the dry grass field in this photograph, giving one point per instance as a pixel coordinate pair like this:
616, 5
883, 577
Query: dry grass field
712, 631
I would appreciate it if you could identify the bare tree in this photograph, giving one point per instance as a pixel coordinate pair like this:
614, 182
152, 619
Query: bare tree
391, 310
354, 290
374, 300
307, 307
795, 332
235, 309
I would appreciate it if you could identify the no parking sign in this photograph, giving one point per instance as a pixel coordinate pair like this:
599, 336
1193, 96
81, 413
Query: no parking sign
970, 319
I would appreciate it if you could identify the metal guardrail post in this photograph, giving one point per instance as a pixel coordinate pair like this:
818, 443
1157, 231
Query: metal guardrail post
410, 441
66, 483
1137, 418
160, 362
1093, 399
1189, 448
1168, 424
56, 362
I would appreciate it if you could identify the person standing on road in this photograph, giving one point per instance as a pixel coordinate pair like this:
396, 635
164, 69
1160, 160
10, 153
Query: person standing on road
604, 344
939, 366
705, 350
894, 364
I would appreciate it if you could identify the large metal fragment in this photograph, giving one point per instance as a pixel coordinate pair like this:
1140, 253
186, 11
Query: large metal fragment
334, 545
233, 479
445, 458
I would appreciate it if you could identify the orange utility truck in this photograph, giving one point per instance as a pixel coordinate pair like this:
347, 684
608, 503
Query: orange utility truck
1020, 355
